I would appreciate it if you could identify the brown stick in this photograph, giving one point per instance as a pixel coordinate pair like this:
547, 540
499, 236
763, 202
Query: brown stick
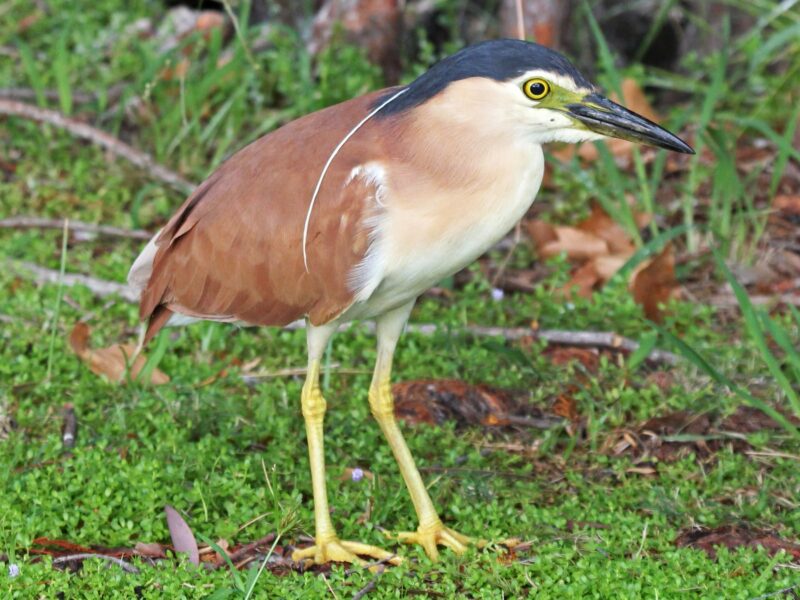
70, 429
241, 552
96, 136
99, 287
370, 584
129, 568
42, 223
113, 93
728, 300
588, 339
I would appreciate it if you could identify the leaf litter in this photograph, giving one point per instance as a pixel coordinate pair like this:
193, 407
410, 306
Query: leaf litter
113, 362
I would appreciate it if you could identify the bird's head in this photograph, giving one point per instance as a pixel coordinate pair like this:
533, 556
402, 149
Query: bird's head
527, 90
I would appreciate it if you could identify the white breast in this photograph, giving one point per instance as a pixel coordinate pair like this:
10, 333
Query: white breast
419, 241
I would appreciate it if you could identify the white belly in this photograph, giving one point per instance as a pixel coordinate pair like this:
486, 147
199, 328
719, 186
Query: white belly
422, 242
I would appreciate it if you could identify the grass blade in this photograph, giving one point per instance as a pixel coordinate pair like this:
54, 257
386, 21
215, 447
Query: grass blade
57, 310
237, 580
154, 358
753, 326
701, 363
61, 72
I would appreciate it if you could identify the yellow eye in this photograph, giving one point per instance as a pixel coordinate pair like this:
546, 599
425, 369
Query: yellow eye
536, 89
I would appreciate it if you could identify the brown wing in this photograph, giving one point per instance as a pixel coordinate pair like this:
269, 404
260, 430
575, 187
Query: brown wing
233, 251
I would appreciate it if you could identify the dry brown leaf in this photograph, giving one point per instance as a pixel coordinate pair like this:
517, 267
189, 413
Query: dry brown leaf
593, 274
208, 20
149, 550
733, 537
607, 266
433, 401
603, 226
565, 406
654, 283
111, 362
787, 204
562, 355
177, 71
635, 100
583, 281
29, 21
552, 240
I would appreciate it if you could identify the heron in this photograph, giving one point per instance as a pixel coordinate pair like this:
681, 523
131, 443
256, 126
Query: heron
353, 211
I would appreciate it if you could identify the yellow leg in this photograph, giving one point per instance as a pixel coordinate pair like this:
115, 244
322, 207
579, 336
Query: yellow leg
327, 547
431, 532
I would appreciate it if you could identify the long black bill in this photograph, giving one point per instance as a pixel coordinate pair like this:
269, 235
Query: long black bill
603, 116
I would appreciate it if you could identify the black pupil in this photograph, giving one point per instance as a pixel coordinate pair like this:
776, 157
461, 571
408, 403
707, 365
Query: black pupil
536, 89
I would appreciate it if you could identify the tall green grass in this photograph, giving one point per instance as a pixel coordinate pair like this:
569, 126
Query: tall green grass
778, 350
748, 90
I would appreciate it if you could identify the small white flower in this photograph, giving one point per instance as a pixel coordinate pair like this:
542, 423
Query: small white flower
13, 570
357, 474
497, 294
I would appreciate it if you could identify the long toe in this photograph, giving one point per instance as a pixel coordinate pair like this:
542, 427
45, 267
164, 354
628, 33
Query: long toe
438, 535
343, 551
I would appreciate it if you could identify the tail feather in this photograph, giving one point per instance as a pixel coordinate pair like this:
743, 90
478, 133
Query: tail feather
157, 320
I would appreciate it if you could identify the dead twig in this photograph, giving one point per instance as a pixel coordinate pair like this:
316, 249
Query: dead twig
587, 339
377, 563
453, 471
15, 93
241, 552
99, 287
127, 567
370, 584
781, 592
91, 228
728, 300
98, 137
70, 427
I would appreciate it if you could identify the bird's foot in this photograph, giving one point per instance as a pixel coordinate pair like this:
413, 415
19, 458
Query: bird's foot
336, 550
432, 536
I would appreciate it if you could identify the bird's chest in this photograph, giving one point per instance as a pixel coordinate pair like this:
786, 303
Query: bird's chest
428, 232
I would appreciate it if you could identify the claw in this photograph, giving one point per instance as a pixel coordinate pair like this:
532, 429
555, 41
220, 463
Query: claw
336, 550
438, 535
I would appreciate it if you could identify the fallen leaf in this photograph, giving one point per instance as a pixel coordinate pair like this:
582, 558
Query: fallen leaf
583, 282
208, 20
654, 283
593, 274
63, 544
565, 406
787, 204
750, 420
599, 223
607, 266
733, 537
635, 100
562, 355
552, 240
182, 536
149, 550
434, 402
111, 362
29, 21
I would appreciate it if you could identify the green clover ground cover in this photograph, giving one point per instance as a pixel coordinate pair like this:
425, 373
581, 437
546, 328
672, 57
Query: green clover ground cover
598, 529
